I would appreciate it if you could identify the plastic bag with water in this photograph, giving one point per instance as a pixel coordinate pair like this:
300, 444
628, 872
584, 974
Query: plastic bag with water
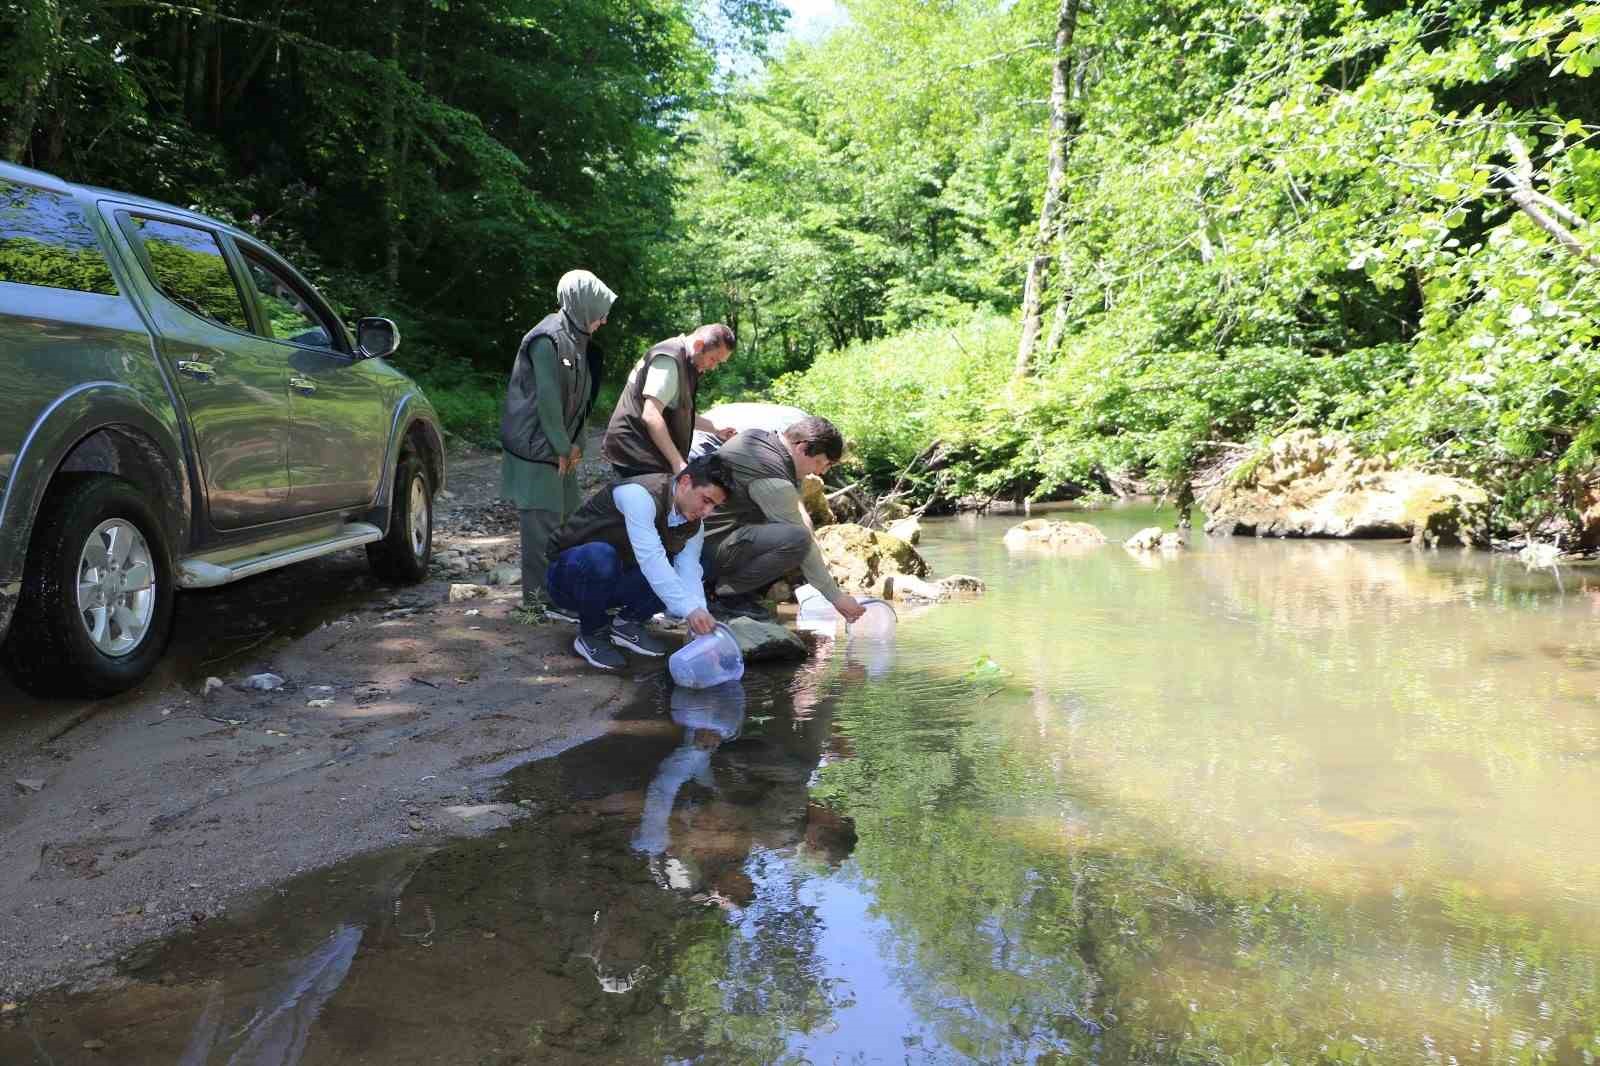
710, 659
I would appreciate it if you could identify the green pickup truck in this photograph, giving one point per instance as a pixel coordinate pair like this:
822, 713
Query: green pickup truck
179, 409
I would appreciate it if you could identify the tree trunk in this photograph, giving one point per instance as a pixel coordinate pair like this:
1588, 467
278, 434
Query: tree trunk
1058, 322
195, 91
216, 78
1039, 263
35, 82
391, 153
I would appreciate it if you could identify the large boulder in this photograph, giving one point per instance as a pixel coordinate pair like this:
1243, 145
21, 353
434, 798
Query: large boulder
1306, 485
814, 497
1037, 533
860, 558
766, 640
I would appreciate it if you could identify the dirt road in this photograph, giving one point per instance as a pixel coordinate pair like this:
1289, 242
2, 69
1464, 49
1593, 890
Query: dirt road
124, 819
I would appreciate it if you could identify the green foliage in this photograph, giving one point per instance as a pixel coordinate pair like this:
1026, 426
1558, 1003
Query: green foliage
440, 163
1276, 216
469, 407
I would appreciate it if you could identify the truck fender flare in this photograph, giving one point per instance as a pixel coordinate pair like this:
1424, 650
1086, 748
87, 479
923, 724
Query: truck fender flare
60, 428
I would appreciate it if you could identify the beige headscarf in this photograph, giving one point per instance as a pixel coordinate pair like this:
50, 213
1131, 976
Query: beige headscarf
584, 297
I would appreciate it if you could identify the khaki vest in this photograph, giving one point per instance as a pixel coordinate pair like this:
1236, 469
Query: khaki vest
754, 455
627, 441
599, 519
519, 421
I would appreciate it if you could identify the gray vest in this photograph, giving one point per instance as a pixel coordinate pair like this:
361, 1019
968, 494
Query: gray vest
754, 455
520, 433
599, 519
628, 442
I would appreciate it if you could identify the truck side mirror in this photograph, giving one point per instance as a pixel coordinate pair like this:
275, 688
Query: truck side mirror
376, 338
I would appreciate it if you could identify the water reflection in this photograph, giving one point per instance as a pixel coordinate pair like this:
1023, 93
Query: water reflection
1294, 803
708, 717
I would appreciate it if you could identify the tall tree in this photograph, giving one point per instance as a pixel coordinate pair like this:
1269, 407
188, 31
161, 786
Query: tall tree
1062, 122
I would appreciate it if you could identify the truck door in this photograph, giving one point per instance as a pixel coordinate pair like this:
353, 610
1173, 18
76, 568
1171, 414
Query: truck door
234, 383
339, 408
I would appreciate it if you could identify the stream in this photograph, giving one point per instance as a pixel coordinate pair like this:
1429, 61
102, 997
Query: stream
1260, 801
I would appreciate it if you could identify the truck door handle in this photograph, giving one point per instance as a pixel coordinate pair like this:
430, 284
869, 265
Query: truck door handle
303, 385
198, 371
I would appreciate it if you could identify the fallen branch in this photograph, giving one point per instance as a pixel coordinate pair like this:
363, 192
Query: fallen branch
874, 515
1535, 204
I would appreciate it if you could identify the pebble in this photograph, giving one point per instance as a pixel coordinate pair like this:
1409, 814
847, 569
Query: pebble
319, 703
94, 1045
212, 684
415, 824
318, 692
264, 682
30, 784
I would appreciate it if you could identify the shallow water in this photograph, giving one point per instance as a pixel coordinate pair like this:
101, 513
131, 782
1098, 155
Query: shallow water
1303, 802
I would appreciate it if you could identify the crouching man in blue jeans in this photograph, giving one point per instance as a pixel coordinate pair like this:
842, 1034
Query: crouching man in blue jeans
635, 546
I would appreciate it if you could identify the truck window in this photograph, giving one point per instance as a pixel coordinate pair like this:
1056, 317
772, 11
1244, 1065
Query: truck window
45, 240
189, 269
290, 316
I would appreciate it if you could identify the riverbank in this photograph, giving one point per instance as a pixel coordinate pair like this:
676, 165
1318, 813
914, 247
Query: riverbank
937, 413
134, 817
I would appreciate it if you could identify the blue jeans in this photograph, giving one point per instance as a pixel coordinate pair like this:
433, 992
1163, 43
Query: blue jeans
591, 579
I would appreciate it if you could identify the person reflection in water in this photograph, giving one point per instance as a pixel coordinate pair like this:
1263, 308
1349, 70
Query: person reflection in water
709, 717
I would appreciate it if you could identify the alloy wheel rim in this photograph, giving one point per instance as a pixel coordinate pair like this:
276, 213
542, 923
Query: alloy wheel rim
116, 587
419, 516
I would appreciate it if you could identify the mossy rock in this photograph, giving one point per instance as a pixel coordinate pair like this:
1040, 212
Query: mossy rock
860, 558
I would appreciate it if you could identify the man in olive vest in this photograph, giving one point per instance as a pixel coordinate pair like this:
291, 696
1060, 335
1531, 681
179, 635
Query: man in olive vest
635, 545
653, 425
763, 532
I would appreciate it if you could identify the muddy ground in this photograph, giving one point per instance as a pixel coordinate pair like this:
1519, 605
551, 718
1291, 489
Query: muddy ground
123, 819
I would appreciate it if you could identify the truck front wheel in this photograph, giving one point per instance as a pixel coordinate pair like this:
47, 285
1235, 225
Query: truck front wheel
402, 555
97, 591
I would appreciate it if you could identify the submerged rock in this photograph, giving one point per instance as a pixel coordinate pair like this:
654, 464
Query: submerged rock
963, 585
860, 558
1151, 538
1146, 540
766, 640
1307, 485
1043, 533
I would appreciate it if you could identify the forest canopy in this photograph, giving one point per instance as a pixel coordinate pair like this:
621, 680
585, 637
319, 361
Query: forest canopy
1051, 245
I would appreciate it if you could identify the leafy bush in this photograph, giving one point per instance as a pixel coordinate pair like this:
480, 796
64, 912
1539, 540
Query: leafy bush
469, 407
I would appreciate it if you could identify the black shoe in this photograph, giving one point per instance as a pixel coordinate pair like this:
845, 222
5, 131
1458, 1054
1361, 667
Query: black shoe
599, 654
740, 605
631, 635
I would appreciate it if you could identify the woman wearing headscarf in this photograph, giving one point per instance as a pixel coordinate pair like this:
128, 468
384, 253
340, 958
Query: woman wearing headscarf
541, 430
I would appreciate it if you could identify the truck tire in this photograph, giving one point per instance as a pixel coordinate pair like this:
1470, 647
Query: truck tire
97, 591
402, 555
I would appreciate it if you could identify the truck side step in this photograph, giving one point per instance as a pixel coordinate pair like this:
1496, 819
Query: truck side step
221, 568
